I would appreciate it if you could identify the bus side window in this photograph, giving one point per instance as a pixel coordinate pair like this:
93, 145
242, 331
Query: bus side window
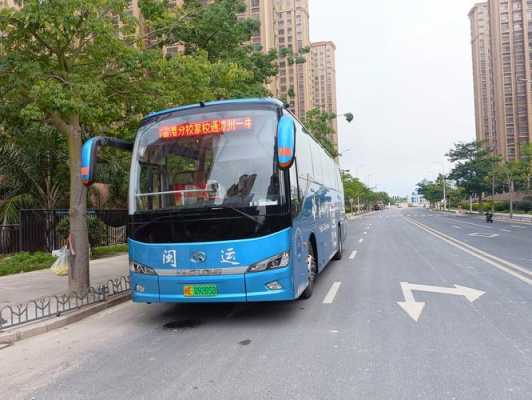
294, 191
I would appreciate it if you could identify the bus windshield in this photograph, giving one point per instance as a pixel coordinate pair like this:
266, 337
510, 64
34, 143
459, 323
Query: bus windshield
222, 158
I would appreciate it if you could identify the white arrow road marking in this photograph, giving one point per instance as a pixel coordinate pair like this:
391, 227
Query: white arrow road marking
353, 255
331, 294
484, 235
414, 308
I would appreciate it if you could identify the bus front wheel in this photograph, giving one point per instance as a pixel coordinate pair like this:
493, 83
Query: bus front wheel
312, 266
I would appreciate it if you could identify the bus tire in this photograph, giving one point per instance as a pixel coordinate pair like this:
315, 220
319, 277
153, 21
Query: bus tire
312, 266
339, 254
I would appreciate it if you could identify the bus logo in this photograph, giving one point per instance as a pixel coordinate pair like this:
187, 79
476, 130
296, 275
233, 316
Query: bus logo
198, 257
228, 256
170, 258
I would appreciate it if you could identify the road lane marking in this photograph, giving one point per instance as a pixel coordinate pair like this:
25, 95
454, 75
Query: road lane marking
331, 294
353, 255
414, 308
484, 235
457, 227
518, 226
506, 230
497, 262
361, 240
365, 233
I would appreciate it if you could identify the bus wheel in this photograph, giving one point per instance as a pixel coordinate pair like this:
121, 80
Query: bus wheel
340, 252
312, 272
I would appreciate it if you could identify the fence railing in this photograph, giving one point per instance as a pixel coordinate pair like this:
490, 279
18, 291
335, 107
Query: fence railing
46, 230
56, 306
9, 238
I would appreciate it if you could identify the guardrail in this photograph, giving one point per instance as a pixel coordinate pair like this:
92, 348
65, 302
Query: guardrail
56, 306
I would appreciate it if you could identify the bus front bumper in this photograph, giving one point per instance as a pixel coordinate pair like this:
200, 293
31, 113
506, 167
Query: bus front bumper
271, 285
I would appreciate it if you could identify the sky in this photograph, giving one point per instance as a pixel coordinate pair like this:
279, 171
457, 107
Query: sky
404, 69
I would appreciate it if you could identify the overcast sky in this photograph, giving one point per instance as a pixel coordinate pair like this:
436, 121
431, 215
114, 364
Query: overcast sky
404, 69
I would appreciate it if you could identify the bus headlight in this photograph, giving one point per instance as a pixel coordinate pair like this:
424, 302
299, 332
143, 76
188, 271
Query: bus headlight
278, 261
141, 269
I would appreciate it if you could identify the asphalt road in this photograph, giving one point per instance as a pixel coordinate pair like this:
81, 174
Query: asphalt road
351, 340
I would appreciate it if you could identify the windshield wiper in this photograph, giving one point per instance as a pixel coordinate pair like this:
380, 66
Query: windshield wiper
243, 213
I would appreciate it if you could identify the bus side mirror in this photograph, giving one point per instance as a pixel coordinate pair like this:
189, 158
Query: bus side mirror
89, 155
286, 142
88, 161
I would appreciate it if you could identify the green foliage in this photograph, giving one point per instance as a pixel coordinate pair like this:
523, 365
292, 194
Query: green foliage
473, 166
319, 125
216, 31
97, 230
358, 192
33, 166
25, 262
431, 191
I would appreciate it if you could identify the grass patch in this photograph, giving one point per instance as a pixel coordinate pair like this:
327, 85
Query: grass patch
25, 262
107, 251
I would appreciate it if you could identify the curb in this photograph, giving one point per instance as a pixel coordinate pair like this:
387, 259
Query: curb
38, 328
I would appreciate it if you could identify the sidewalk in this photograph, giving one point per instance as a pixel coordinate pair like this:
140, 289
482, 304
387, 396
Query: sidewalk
20, 288
504, 217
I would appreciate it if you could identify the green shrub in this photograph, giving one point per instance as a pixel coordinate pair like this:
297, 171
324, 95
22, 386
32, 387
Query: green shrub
523, 205
99, 252
502, 206
97, 230
25, 262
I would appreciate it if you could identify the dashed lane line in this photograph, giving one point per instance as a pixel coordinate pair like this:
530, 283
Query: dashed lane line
331, 294
353, 255
361, 240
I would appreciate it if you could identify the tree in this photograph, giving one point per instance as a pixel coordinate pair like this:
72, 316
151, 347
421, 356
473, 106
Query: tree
511, 171
526, 157
431, 191
216, 30
33, 167
68, 65
472, 169
319, 124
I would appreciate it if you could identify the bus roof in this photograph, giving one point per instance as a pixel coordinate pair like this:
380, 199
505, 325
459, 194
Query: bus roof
258, 100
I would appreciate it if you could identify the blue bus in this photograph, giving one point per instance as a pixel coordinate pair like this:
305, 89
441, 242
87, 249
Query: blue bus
229, 201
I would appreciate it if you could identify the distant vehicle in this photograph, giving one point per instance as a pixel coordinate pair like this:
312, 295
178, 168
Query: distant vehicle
229, 201
379, 206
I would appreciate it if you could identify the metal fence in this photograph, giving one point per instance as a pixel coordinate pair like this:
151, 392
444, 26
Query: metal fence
46, 230
56, 306
9, 239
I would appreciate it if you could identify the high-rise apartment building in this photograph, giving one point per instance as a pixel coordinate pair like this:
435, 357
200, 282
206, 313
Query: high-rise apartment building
483, 82
503, 62
294, 79
324, 81
264, 12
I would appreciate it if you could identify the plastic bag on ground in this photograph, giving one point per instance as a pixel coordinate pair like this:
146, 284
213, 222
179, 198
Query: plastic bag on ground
61, 266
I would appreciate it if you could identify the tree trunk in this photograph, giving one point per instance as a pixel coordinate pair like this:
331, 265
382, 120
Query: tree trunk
78, 276
511, 185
